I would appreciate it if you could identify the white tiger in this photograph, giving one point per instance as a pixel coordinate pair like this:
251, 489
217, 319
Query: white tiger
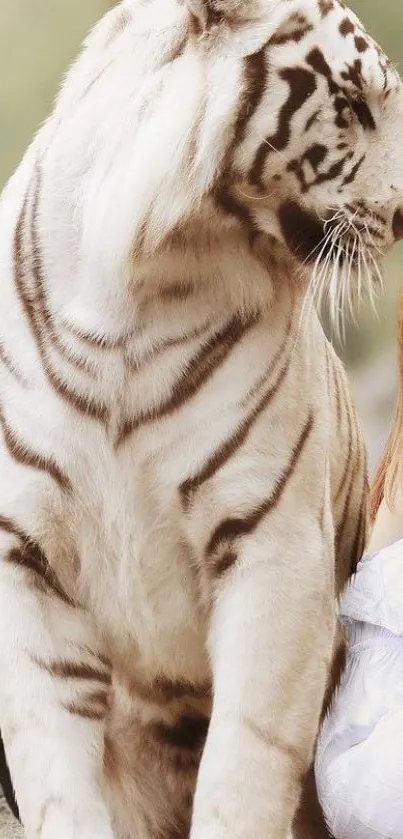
183, 483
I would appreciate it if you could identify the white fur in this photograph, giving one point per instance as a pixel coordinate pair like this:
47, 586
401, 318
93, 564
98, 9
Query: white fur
117, 191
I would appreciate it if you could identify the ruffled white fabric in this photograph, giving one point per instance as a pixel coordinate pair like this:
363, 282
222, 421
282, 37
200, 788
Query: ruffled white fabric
359, 763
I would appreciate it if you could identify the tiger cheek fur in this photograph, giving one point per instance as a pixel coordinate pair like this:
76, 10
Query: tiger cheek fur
183, 488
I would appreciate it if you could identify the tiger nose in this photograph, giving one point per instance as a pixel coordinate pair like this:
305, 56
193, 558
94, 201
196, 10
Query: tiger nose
397, 225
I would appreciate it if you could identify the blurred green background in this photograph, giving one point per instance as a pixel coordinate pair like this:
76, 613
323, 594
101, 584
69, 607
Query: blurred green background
38, 38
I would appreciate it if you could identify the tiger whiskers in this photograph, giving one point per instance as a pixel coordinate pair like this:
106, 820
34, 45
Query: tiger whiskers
338, 285
320, 267
318, 290
372, 270
309, 302
344, 270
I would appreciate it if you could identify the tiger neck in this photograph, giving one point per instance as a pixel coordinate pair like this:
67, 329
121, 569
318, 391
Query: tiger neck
191, 278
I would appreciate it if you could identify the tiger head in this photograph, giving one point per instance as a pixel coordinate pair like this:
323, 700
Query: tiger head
285, 115
316, 132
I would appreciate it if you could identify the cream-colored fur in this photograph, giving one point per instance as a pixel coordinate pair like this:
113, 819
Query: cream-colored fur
183, 481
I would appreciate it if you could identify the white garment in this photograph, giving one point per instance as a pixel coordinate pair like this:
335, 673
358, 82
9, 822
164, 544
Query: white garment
359, 763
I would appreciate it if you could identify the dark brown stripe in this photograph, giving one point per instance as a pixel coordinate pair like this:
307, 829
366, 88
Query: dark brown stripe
189, 732
176, 292
9, 526
222, 455
231, 206
360, 537
170, 690
106, 662
302, 85
18, 259
168, 343
83, 404
356, 469
200, 369
312, 119
331, 174
317, 61
37, 317
326, 6
340, 531
33, 460
93, 707
74, 670
374, 216
101, 342
6, 360
292, 30
177, 831
222, 564
233, 528
174, 52
351, 177
162, 691
85, 365
41, 304
254, 85
214, 17
302, 230
346, 27
348, 457
363, 114
262, 381
31, 558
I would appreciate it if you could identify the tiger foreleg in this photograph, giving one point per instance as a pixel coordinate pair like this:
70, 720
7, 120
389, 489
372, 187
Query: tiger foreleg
53, 699
271, 639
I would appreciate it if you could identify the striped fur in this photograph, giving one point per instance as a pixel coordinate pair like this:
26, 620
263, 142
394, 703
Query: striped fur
183, 480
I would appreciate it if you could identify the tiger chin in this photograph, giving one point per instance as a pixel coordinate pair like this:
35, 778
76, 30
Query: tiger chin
183, 488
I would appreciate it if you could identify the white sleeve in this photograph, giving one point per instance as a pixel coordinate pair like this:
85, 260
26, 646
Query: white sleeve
359, 762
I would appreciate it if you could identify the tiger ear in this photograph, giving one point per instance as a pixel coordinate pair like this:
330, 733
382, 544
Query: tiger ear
209, 13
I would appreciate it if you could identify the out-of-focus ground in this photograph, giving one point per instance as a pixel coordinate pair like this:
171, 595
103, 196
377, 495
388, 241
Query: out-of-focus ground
38, 38
9, 827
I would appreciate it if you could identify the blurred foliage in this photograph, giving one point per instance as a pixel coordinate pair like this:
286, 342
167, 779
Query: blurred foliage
38, 38
385, 22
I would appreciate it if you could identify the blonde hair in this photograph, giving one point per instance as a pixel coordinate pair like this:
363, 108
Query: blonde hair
390, 467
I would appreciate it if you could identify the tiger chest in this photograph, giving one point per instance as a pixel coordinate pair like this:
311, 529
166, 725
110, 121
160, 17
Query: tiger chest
137, 574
